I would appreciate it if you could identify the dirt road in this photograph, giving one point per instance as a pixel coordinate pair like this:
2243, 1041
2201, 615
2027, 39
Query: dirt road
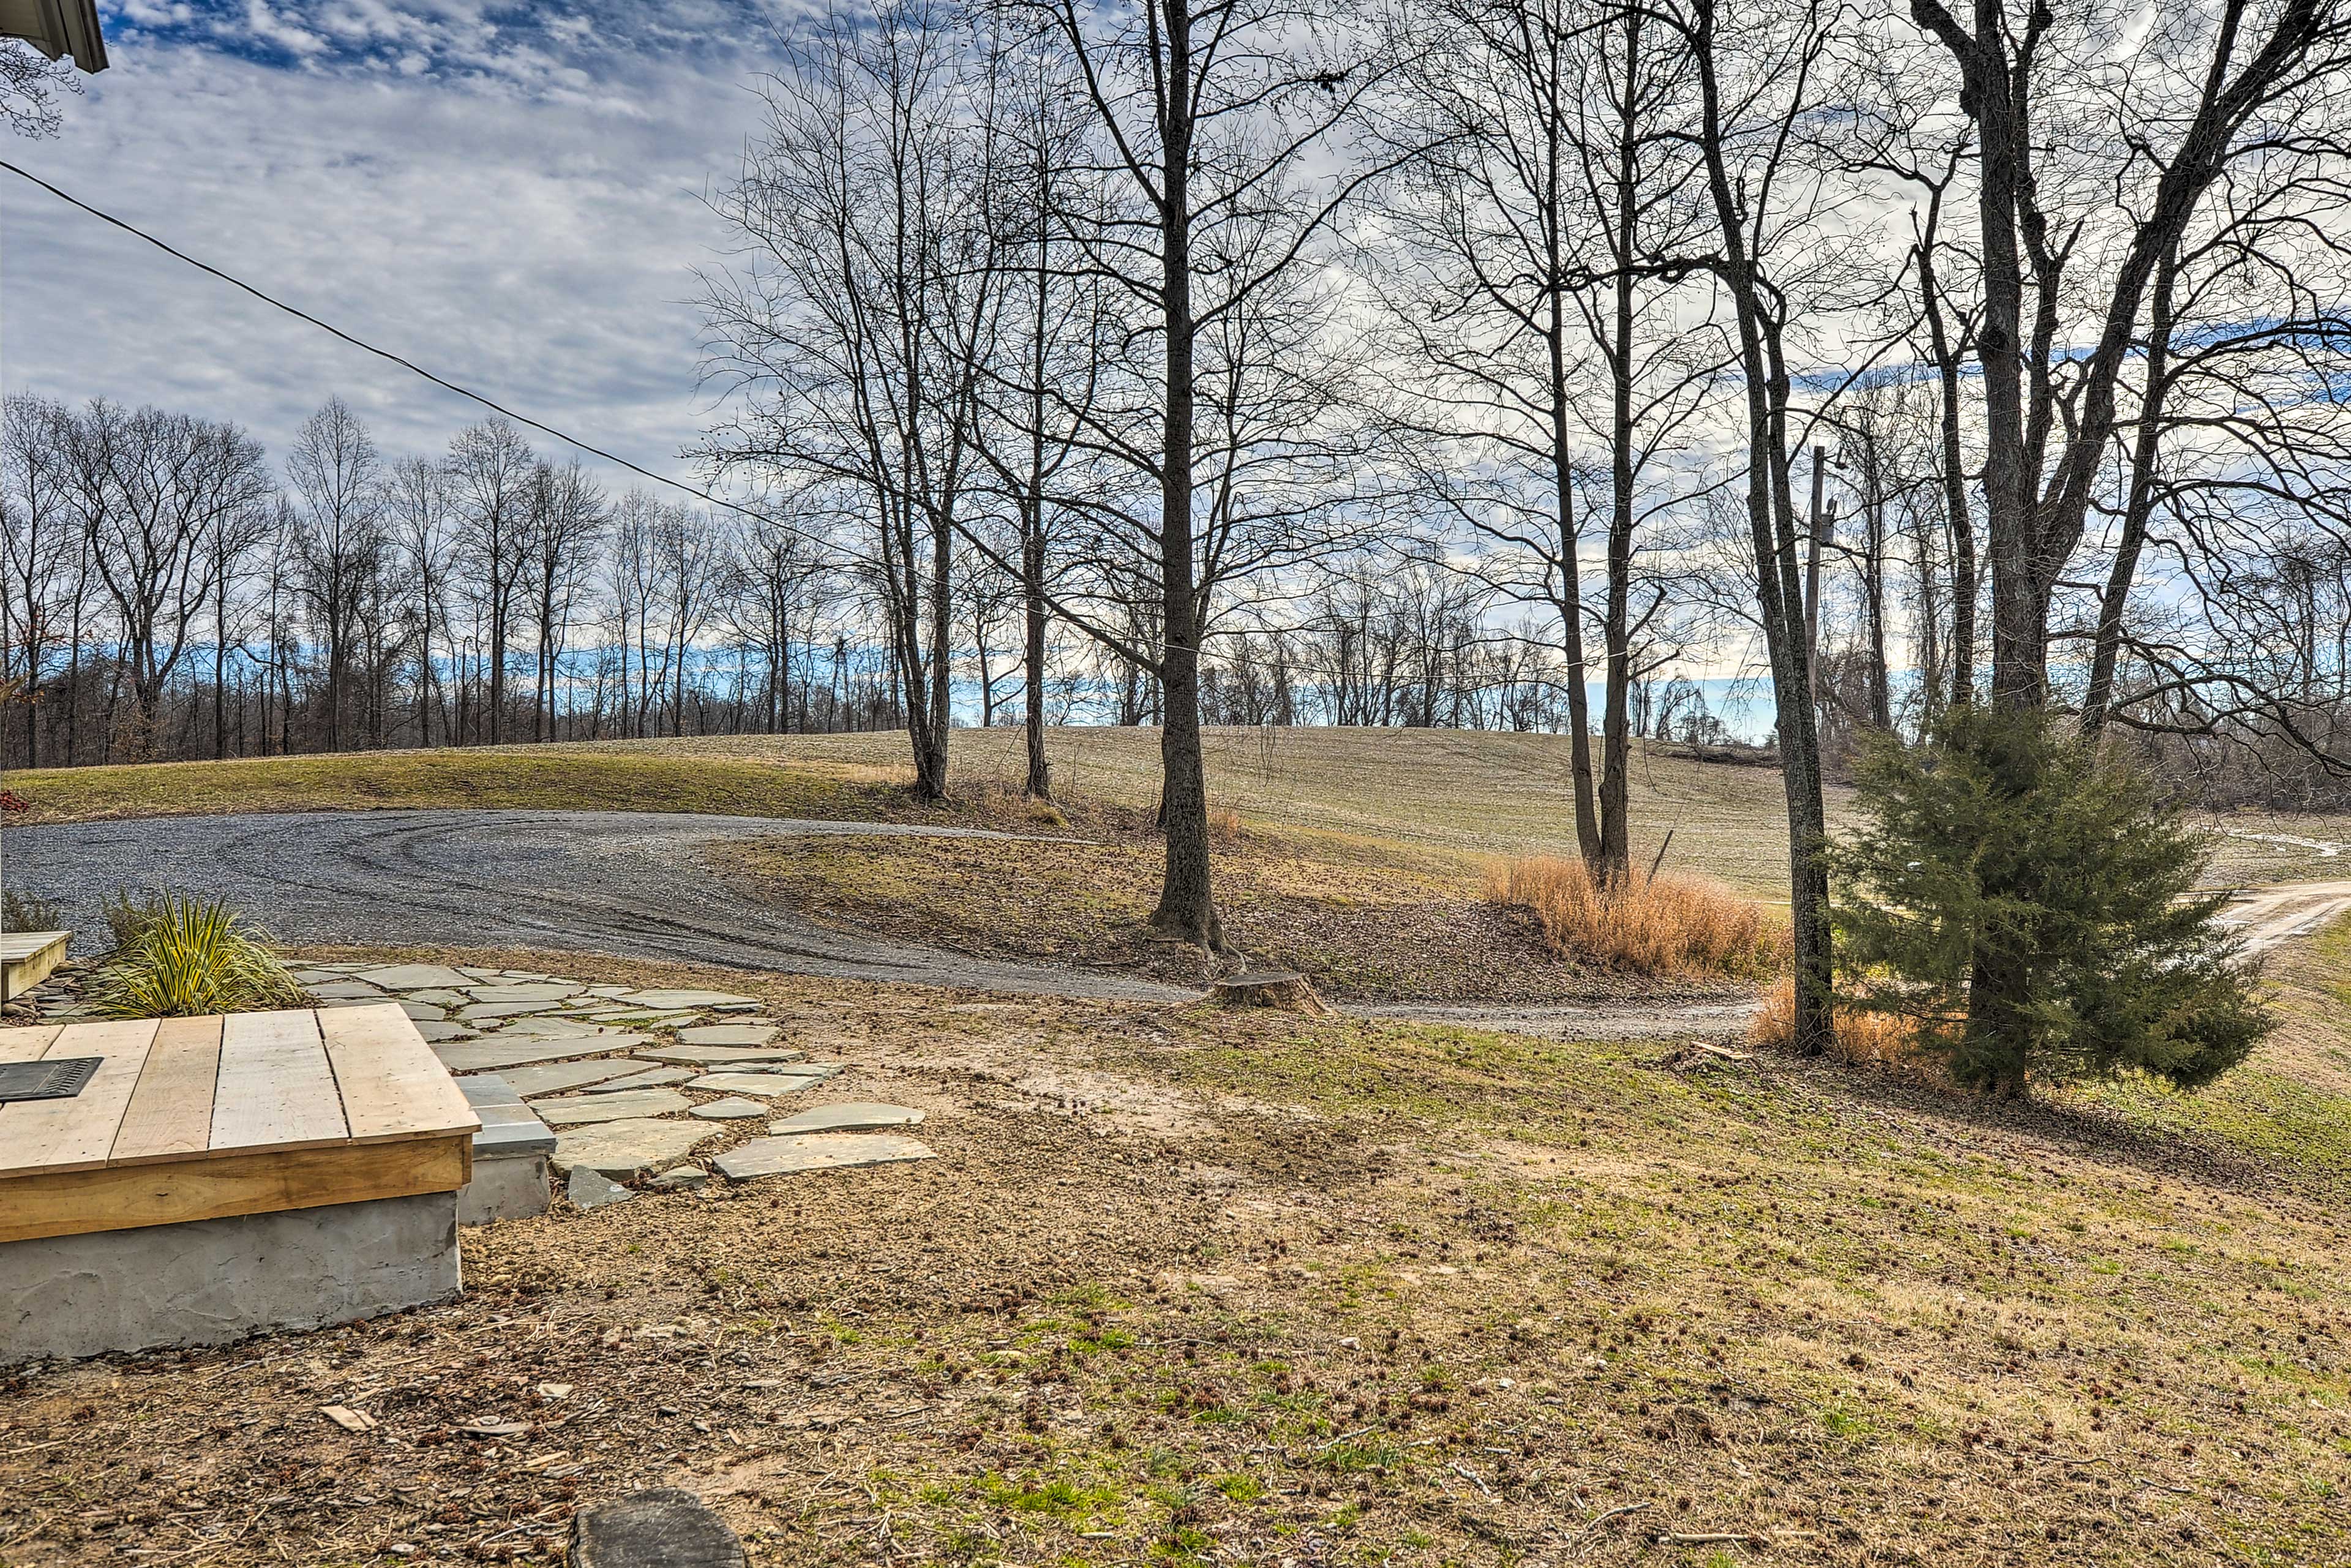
629, 884
2269, 916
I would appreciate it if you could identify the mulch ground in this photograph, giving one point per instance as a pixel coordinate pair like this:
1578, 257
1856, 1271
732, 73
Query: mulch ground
1362, 922
1186, 1286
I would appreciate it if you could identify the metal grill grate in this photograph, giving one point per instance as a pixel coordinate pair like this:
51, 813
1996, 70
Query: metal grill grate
61, 1079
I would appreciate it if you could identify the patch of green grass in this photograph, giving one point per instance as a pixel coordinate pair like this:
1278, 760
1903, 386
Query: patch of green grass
507, 778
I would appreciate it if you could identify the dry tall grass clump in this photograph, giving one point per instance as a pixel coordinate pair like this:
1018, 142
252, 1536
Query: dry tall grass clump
1652, 925
1877, 1039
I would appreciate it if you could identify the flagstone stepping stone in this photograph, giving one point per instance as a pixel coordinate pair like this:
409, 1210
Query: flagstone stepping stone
717, 1055
504, 1009
629, 1148
548, 991
579, 1110
856, 1116
546, 1027
818, 1152
435, 1033
730, 1109
686, 1178
497, 1055
411, 976
423, 1012
667, 1000
766, 1084
346, 991
639, 1016
317, 977
656, 1078
440, 997
608, 990
728, 1034
586, 1189
555, 1077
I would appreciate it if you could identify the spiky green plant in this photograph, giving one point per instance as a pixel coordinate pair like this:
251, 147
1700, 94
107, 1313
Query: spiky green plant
179, 957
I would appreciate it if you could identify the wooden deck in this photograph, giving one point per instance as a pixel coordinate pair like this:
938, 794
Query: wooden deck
203, 1118
28, 958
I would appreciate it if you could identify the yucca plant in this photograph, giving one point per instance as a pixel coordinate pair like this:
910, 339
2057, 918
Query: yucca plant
175, 957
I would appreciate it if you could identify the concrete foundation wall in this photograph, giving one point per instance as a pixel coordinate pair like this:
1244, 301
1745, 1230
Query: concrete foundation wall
505, 1186
214, 1281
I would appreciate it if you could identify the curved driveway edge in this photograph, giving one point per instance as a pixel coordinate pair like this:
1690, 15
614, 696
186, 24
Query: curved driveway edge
625, 882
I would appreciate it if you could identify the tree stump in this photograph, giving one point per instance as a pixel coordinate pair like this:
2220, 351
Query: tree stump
663, 1528
1267, 989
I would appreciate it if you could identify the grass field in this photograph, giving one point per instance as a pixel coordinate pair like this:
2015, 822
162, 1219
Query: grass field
1470, 796
1190, 1287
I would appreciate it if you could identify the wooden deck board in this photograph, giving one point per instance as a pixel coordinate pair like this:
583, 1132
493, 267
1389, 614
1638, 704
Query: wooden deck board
205, 1118
257, 1181
171, 1112
78, 1133
393, 1085
27, 1044
277, 1089
28, 958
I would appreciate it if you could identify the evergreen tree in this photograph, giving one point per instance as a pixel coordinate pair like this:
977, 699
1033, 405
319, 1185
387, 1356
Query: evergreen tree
2031, 905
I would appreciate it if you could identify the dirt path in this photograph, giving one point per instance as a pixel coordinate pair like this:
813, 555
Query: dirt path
2270, 915
629, 884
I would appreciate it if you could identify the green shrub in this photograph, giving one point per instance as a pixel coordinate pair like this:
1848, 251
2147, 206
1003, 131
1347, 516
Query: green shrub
176, 958
21, 911
2032, 906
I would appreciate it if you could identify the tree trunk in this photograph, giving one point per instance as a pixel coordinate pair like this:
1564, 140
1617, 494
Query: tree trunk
2145, 448
1187, 906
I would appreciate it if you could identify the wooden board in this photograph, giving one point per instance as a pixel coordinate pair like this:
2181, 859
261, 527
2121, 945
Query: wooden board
27, 1044
262, 1181
28, 958
391, 1084
275, 1089
171, 1112
79, 1133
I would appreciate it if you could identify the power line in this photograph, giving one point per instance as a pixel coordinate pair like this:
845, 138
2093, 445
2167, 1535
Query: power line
409, 365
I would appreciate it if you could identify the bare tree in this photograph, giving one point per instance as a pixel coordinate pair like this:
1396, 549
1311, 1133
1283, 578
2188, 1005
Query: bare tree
336, 473
490, 471
1216, 168
418, 513
149, 487
2209, 85
857, 320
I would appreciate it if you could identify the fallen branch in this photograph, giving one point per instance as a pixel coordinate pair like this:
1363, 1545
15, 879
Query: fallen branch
1470, 1475
1599, 1520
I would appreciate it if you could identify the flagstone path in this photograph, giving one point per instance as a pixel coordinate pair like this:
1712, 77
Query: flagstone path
639, 1102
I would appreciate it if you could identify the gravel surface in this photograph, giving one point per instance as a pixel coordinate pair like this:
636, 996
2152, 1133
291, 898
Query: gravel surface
624, 883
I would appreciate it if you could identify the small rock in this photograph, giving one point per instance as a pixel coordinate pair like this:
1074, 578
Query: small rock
587, 1190
686, 1178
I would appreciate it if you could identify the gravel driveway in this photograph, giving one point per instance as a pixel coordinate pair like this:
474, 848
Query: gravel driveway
601, 881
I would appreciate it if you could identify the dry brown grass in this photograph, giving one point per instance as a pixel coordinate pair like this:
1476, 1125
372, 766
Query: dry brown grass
1864, 1038
1652, 925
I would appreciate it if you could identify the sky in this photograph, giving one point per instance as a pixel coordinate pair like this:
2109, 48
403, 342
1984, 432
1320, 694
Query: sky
513, 195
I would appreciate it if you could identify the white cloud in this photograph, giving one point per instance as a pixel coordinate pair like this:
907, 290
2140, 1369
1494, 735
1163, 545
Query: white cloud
515, 204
